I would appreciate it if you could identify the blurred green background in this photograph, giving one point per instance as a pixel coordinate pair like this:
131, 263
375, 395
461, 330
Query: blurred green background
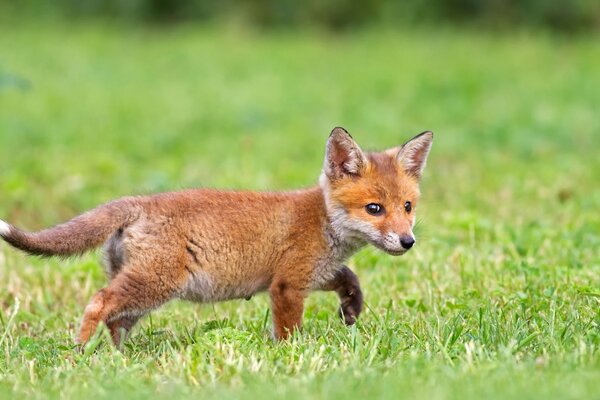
559, 15
500, 298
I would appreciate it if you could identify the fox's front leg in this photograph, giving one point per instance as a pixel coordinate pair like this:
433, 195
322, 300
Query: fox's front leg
287, 304
345, 284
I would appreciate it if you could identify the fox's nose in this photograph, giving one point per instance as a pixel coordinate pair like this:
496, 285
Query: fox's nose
407, 242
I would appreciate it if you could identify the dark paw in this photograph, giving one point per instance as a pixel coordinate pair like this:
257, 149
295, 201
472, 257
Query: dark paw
351, 306
348, 315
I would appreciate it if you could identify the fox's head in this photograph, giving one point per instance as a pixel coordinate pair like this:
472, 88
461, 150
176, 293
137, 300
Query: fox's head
372, 197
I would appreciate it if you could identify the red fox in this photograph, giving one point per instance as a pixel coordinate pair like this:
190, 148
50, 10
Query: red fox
209, 245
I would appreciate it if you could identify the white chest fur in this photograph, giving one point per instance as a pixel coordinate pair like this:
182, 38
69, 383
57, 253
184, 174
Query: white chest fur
330, 263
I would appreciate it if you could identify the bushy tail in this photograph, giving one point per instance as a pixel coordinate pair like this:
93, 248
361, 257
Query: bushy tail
82, 233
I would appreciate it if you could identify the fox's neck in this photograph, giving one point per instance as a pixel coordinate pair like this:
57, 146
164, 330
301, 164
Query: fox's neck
343, 240
342, 245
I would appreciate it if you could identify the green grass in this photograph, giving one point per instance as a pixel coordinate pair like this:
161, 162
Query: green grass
500, 298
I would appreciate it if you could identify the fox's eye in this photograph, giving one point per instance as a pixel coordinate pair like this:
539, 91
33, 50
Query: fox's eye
374, 209
408, 206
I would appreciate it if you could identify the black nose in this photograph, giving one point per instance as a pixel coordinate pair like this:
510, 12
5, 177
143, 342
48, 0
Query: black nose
407, 242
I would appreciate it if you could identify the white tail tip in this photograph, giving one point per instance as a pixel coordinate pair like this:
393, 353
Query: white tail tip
4, 228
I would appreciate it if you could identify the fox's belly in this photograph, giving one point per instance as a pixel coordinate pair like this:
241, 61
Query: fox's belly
222, 267
204, 287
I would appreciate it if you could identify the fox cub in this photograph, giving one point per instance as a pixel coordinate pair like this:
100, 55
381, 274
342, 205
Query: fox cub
208, 245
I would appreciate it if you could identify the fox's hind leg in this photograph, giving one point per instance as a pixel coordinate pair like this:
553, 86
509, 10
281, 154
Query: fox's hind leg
120, 328
131, 294
345, 284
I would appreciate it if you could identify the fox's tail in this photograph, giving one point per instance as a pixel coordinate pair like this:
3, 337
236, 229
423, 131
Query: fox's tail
82, 233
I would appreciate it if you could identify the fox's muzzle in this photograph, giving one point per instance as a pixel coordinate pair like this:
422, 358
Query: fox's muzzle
396, 244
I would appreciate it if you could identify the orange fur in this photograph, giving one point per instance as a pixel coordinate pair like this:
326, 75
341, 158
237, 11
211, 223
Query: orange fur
208, 245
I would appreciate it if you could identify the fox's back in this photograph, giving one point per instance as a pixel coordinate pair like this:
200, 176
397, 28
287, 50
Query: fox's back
229, 242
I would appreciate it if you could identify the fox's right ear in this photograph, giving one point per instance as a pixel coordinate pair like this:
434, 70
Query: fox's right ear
413, 154
343, 157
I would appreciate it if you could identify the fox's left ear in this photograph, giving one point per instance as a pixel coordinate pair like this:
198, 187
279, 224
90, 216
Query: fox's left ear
343, 157
413, 154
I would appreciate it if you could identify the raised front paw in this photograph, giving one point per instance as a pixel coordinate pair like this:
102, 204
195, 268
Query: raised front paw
351, 304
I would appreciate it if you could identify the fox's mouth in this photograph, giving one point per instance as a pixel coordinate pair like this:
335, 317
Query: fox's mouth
392, 252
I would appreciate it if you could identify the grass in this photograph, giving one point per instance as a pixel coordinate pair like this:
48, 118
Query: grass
500, 298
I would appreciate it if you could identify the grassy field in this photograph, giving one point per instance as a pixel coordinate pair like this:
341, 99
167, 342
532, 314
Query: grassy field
500, 298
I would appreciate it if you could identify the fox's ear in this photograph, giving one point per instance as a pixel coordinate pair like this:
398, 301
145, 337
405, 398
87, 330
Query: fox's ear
343, 157
413, 154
